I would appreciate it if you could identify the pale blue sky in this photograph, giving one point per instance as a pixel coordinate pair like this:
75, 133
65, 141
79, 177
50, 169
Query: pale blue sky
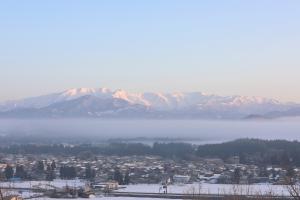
224, 47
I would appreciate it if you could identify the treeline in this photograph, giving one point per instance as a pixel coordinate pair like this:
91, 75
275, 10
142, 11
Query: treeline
46, 171
41, 169
255, 151
250, 151
171, 150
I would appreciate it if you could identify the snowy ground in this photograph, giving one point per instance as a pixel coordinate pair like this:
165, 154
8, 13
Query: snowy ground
44, 184
206, 188
203, 188
106, 198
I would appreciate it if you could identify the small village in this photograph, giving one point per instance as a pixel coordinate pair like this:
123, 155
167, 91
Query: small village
90, 174
138, 169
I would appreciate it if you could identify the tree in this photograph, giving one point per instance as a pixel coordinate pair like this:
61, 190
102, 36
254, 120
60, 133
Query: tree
53, 165
20, 172
89, 172
293, 188
50, 174
9, 172
61, 172
237, 175
40, 166
126, 178
290, 172
118, 176
71, 172
66, 172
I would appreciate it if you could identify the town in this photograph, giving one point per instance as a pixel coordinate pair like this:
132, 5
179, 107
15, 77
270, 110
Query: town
139, 169
127, 169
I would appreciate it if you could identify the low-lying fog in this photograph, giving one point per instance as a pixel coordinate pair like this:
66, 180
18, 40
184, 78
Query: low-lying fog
189, 130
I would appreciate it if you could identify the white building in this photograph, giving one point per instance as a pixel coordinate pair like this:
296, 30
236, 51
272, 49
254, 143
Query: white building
181, 179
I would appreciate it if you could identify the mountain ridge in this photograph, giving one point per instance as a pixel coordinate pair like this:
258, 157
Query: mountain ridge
102, 102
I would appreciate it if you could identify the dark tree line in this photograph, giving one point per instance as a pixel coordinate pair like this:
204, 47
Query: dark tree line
250, 151
47, 171
19, 172
255, 151
122, 149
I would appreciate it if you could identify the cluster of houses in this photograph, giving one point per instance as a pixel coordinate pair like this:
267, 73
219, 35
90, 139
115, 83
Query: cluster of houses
150, 169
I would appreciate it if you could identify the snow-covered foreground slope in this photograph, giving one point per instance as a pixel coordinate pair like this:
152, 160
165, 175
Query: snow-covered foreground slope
105, 103
103, 198
44, 184
206, 188
203, 188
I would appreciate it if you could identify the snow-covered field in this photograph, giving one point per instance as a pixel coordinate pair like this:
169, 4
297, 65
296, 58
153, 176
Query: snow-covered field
203, 188
44, 184
206, 188
106, 198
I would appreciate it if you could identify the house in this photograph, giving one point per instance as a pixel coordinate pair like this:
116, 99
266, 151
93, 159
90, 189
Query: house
107, 186
181, 179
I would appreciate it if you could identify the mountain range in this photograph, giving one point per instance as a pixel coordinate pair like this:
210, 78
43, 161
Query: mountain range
105, 103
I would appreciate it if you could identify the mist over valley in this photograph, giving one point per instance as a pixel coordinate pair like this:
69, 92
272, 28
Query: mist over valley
148, 131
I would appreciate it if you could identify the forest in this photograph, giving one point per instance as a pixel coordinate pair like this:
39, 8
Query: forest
250, 151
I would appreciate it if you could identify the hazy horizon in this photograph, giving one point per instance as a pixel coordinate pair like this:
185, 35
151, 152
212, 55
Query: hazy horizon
197, 130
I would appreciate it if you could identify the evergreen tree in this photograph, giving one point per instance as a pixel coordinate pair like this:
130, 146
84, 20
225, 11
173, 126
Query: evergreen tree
62, 172
20, 172
9, 172
40, 166
118, 176
67, 172
273, 172
53, 165
50, 174
126, 178
237, 175
89, 172
72, 172
290, 172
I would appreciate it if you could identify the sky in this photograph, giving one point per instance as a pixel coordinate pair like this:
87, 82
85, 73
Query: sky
221, 47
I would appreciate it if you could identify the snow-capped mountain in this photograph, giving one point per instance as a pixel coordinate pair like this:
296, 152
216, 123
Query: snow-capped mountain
46, 100
103, 102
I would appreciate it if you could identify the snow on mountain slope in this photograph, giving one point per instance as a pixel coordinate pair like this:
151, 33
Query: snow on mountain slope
163, 104
46, 100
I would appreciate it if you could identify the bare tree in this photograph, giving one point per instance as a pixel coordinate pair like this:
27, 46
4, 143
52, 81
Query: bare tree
236, 192
293, 188
1, 195
195, 191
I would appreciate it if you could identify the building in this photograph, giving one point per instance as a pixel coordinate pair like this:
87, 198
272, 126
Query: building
181, 179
